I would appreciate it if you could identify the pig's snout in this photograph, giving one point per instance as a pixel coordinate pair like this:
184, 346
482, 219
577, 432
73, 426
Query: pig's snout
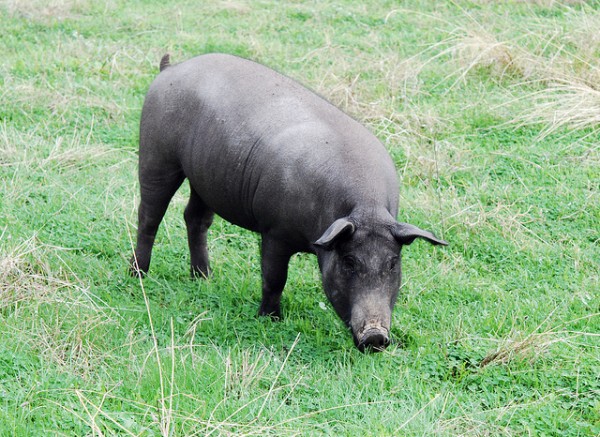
374, 340
373, 337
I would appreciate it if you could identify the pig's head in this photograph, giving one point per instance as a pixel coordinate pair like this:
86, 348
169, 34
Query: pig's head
360, 266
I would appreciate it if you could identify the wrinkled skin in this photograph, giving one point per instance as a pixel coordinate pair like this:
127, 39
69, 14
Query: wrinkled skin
269, 155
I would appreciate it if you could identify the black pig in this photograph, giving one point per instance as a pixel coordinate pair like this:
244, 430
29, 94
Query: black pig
267, 154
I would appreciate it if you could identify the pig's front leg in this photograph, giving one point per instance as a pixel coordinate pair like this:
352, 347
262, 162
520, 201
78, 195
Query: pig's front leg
275, 257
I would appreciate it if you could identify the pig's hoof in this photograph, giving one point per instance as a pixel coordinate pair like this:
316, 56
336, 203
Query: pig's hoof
135, 271
274, 314
200, 272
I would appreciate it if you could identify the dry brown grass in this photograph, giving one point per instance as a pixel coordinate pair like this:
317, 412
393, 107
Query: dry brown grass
472, 426
536, 344
31, 149
478, 48
359, 92
544, 3
563, 104
563, 63
24, 274
28, 283
45, 10
528, 348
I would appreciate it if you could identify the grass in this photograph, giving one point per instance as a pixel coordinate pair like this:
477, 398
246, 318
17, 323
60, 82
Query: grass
490, 111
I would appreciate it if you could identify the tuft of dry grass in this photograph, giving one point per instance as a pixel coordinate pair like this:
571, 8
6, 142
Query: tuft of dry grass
239, 7
481, 49
32, 150
537, 343
29, 283
359, 92
473, 427
563, 104
529, 348
45, 10
543, 3
21, 279
567, 78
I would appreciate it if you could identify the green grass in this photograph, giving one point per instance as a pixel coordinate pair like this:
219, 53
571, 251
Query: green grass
491, 111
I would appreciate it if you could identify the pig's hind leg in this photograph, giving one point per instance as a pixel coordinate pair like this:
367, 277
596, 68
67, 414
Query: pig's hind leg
198, 218
157, 187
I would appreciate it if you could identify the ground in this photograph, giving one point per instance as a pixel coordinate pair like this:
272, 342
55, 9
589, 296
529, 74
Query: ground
491, 112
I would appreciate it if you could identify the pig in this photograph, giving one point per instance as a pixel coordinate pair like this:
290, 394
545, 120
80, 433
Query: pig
269, 155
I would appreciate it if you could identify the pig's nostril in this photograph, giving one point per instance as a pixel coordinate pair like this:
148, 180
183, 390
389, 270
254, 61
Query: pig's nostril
374, 340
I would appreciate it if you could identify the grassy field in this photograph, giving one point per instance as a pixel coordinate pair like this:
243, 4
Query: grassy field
491, 112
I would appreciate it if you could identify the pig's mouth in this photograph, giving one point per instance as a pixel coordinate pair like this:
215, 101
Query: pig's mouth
372, 337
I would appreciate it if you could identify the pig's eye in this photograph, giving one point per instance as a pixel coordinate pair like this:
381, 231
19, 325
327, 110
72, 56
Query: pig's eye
393, 263
349, 264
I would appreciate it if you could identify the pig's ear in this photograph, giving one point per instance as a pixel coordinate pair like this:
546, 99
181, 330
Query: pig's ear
339, 228
405, 233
